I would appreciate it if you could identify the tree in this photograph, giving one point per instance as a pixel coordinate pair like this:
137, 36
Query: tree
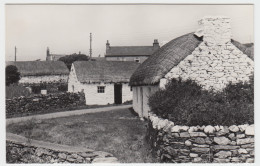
11, 75
69, 59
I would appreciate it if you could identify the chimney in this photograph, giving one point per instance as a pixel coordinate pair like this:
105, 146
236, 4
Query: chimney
216, 30
156, 44
107, 45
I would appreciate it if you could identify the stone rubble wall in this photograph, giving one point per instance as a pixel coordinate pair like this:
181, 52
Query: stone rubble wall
43, 152
216, 61
200, 144
41, 103
43, 79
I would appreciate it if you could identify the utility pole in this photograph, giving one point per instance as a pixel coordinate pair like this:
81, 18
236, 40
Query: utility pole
90, 50
15, 53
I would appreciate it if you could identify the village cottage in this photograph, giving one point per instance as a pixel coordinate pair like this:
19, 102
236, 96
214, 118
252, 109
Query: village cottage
209, 57
103, 82
130, 53
41, 72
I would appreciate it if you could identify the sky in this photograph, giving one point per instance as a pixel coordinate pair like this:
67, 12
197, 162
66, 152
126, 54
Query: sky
65, 29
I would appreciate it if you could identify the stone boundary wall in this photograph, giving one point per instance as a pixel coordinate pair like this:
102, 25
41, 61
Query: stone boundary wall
41, 103
21, 150
200, 144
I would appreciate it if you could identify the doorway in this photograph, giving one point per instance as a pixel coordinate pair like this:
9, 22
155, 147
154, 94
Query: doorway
118, 93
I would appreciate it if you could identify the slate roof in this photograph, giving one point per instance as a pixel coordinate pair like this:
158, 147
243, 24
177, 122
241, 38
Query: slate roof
104, 71
40, 68
130, 51
171, 54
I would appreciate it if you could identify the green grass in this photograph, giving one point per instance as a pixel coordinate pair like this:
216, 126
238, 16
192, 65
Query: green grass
119, 132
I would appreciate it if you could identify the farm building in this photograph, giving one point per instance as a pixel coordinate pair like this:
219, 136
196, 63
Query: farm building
102, 82
41, 72
209, 57
130, 53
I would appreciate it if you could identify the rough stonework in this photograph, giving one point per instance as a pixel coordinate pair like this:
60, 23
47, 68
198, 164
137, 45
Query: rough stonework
19, 150
41, 103
216, 61
201, 144
44, 79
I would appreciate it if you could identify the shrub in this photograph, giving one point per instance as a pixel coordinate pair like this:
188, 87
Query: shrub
15, 90
11, 75
186, 103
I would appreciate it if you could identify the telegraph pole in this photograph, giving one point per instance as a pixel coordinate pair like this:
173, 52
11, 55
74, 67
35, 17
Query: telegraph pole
15, 50
90, 50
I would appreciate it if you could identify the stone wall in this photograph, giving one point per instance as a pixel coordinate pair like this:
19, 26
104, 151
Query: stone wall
43, 103
200, 144
19, 150
43, 79
216, 61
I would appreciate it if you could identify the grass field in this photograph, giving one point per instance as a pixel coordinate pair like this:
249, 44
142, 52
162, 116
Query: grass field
118, 132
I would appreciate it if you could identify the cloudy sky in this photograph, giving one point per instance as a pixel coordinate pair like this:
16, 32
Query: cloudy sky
65, 28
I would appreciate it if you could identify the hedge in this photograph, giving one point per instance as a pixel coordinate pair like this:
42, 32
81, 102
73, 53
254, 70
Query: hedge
186, 103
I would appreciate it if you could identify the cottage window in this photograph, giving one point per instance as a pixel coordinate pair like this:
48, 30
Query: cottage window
137, 60
101, 89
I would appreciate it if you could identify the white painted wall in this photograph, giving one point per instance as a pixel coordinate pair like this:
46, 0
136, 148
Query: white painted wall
91, 94
43, 79
141, 96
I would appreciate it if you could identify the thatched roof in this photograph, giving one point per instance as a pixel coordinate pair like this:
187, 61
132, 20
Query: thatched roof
130, 51
171, 54
104, 71
247, 49
40, 68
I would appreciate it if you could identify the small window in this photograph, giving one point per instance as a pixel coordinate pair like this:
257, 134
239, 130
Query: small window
131, 88
101, 89
137, 60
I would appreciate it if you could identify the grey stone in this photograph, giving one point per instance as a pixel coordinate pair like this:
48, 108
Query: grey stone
41, 151
233, 128
223, 154
225, 147
199, 140
250, 160
245, 141
223, 130
217, 160
105, 160
209, 129
62, 156
188, 143
242, 151
193, 155
197, 160
208, 140
176, 135
198, 134
185, 135
241, 135
201, 146
222, 140
200, 150
250, 130
103, 154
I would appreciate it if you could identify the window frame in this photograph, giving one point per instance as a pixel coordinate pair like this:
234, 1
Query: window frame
100, 89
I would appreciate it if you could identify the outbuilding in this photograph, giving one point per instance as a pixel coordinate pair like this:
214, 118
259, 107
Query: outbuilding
103, 82
209, 57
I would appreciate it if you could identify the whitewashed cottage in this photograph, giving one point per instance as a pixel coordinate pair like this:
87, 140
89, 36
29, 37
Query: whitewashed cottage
36, 72
208, 56
103, 82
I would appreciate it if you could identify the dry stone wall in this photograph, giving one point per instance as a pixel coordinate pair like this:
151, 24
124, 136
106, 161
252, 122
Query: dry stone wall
19, 150
43, 103
200, 144
216, 61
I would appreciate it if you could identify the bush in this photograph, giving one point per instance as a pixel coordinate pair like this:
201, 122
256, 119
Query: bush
11, 75
186, 103
15, 90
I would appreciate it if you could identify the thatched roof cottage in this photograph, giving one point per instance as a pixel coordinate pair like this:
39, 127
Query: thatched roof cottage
36, 72
102, 82
209, 56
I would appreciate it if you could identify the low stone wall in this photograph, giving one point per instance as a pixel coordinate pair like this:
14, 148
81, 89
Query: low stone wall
19, 150
200, 144
41, 103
